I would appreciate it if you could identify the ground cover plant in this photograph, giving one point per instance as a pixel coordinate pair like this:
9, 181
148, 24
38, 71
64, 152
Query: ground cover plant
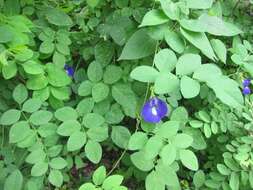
126, 94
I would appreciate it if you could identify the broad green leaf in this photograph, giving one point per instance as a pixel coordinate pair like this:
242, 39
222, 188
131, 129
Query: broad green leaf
175, 41
100, 91
165, 60
36, 156
88, 186
203, 72
66, 113
207, 130
9, 117
200, 41
234, 181
112, 181
85, 88
220, 49
93, 151
58, 17
189, 87
137, 141
56, 76
168, 129
93, 3
189, 159
141, 162
187, 64
19, 131
68, 127
76, 141
9, 70
59, 60
154, 17
58, 163
166, 83
120, 136
199, 178
199, 4
104, 52
112, 74
20, 93
37, 82
95, 71
39, 169
168, 154
139, 45
144, 74
60, 93
98, 134
93, 120
85, 106
14, 181
41, 117
153, 147
99, 175
171, 9
183, 140
31, 105
154, 182
6, 33
55, 178
46, 47
223, 169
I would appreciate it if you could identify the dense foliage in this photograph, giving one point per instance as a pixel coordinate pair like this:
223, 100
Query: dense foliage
126, 94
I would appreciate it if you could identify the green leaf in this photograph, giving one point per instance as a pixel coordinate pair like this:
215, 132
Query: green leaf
99, 175
33, 68
85, 106
9, 117
112, 74
88, 186
100, 91
93, 151
175, 41
187, 64
6, 34
55, 178
60, 93
199, 4
154, 182
223, 169
56, 76
199, 178
65, 114
20, 93
37, 82
85, 88
220, 49
168, 154
41, 117
154, 17
98, 134
120, 136
168, 129
58, 17
93, 3
31, 105
124, 96
9, 70
36, 156
68, 127
59, 60
144, 74
139, 45
141, 162
165, 60
234, 181
203, 72
95, 72
183, 140
170, 9
153, 147
112, 181
58, 163
200, 41
104, 52
189, 159
137, 141
39, 169
166, 83
207, 130
47, 47
76, 141
93, 120
14, 181
19, 131
190, 88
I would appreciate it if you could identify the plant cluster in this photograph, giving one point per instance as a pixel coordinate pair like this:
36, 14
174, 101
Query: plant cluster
126, 95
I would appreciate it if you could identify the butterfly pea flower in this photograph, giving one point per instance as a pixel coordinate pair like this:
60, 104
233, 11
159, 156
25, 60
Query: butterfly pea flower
154, 110
246, 90
246, 82
69, 70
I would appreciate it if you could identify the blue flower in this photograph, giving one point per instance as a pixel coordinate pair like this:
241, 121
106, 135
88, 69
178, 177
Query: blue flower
154, 110
246, 82
246, 90
69, 70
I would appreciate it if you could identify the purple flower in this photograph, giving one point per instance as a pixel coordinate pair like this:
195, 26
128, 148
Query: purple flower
246, 90
154, 110
69, 70
246, 82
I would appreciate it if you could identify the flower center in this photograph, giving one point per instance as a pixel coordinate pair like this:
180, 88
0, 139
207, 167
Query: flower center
154, 111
